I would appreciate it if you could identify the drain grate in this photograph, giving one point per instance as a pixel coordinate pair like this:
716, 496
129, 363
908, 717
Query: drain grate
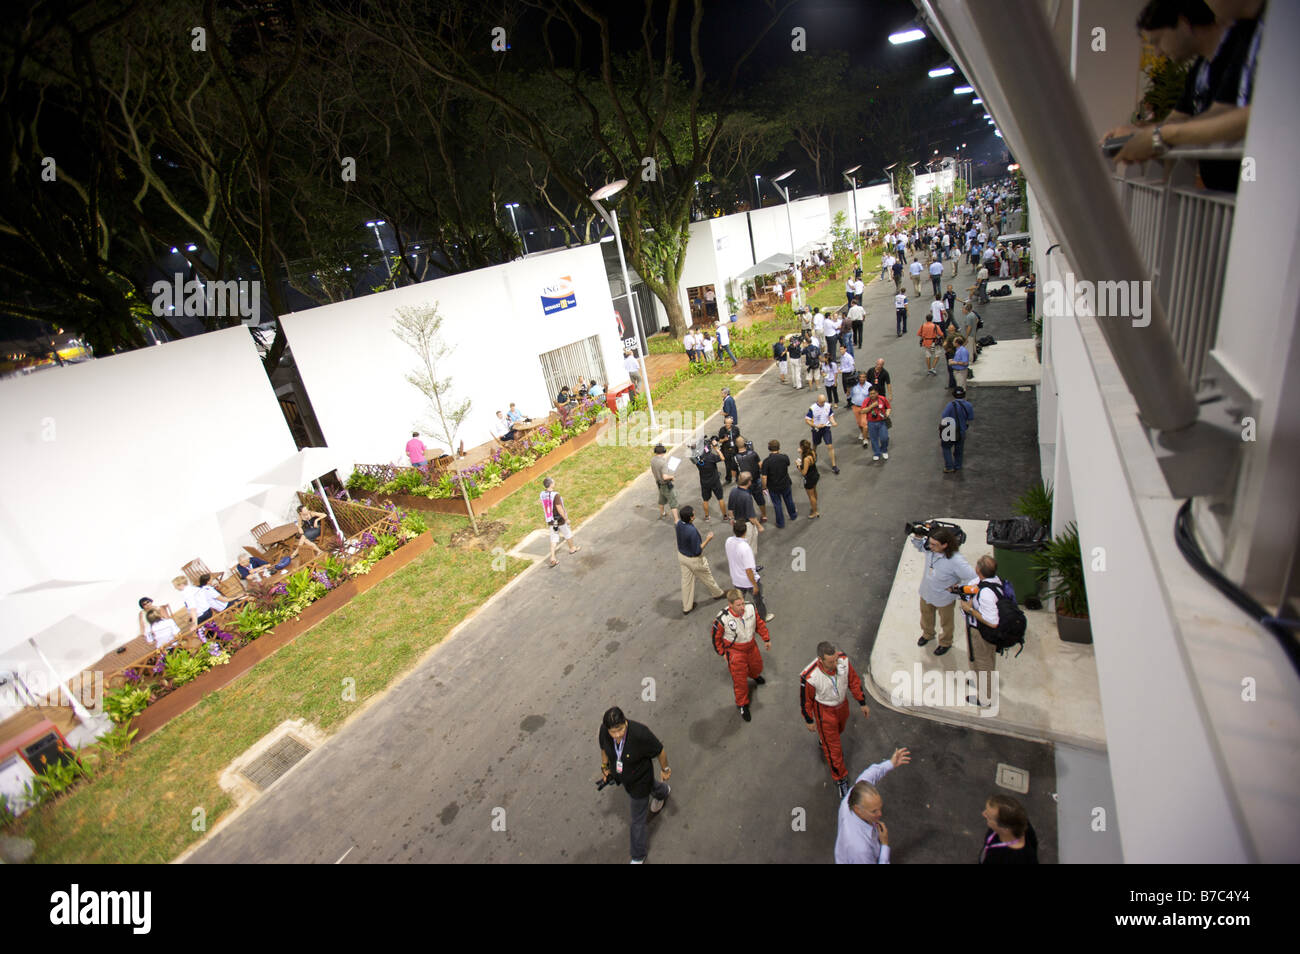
267, 768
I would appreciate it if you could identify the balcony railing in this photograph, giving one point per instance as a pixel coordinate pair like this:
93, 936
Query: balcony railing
1182, 233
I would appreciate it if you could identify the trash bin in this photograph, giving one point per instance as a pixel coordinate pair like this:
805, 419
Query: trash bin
1014, 542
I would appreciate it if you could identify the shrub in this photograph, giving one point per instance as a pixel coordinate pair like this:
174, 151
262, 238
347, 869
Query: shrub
124, 704
362, 483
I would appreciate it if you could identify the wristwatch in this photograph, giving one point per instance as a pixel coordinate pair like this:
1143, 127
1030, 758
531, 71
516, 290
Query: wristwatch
1158, 143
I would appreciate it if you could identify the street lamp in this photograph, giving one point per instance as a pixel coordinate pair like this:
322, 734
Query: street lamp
512, 206
758, 190
893, 197
611, 219
789, 221
856, 226
908, 34
375, 225
916, 207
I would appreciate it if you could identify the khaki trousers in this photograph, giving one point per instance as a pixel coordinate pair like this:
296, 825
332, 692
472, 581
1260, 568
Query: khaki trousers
945, 614
694, 568
983, 657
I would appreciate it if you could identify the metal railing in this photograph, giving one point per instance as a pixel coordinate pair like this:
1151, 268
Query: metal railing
1182, 234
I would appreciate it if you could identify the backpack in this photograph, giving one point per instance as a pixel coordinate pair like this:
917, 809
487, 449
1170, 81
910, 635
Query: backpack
1010, 630
986, 341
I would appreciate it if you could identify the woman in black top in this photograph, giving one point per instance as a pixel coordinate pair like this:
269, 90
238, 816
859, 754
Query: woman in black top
1010, 839
808, 467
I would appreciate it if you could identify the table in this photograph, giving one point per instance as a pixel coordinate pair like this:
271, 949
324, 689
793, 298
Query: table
523, 427
279, 534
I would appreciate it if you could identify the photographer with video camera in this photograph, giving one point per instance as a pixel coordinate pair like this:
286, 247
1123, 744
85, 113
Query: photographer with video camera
944, 568
627, 754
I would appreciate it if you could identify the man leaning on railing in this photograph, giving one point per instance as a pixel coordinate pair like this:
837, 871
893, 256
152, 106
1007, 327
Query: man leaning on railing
1215, 106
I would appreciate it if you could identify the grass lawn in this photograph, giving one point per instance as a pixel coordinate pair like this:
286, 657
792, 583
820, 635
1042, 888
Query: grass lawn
831, 293
141, 806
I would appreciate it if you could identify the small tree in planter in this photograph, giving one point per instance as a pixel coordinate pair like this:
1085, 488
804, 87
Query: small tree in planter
418, 329
1063, 560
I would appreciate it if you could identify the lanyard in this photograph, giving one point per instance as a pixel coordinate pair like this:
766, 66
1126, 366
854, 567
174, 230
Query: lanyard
989, 843
618, 748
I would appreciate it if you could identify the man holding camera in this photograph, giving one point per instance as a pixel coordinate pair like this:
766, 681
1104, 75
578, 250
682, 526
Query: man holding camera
627, 754
556, 518
710, 483
944, 569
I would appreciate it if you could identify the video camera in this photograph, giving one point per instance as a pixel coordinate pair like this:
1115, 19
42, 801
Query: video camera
918, 528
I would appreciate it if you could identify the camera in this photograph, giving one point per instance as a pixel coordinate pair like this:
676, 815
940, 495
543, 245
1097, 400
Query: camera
917, 529
961, 589
601, 783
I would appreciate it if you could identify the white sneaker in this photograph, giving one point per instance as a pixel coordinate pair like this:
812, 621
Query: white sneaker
886, 456
769, 617
875, 457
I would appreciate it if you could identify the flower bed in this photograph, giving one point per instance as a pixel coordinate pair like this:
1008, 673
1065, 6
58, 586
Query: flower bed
489, 482
275, 605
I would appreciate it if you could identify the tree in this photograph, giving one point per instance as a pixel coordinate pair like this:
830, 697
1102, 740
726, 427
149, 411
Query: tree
647, 121
420, 330
809, 99
66, 251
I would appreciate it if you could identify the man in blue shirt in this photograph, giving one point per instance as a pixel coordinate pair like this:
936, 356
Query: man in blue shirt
863, 838
953, 424
960, 362
690, 554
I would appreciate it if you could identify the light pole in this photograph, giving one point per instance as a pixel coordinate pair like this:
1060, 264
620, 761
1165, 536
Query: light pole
789, 221
512, 206
853, 181
893, 196
375, 225
915, 206
758, 191
611, 219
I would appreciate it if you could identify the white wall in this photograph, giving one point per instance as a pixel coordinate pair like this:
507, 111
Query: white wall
870, 198
719, 249
354, 367
120, 471
810, 219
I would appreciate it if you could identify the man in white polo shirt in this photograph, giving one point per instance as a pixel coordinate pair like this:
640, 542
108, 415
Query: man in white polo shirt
900, 312
688, 342
859, 287
821, 418
633, 369
724, 342
856, 316
819, 329
915, 270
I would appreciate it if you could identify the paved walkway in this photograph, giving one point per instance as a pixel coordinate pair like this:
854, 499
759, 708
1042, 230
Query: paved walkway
499, 723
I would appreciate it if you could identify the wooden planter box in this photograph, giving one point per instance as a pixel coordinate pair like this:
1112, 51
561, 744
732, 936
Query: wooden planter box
189, 695
490, 498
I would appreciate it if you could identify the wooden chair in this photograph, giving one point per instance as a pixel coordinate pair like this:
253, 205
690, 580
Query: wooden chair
196, 568
232, 585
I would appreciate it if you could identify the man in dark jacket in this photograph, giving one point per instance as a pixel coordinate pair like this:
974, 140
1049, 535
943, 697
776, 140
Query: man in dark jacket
627, 754
729, 406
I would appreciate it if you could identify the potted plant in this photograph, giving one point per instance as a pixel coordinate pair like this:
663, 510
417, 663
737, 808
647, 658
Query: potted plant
1062, 559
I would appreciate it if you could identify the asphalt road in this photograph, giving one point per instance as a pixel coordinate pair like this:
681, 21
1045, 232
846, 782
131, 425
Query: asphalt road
487, 751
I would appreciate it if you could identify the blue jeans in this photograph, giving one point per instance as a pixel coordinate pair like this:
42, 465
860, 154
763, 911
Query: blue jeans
726, 348
952, 453
934, 280
900, 320
640, 813
878, 434
783, 496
